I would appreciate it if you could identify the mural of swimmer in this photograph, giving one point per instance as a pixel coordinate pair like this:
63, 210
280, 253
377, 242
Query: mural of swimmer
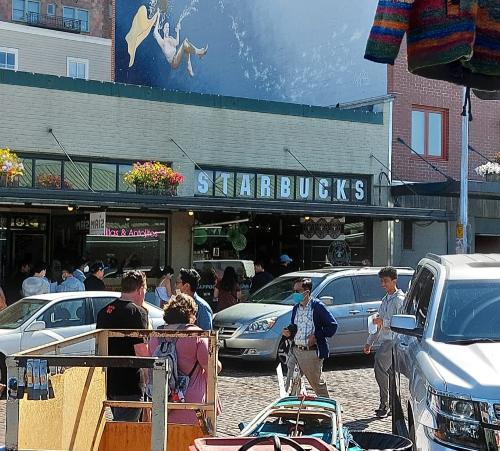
141, 27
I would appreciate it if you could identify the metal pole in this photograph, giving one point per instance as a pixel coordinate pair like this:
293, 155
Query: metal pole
12, 409
159, 407
462, 227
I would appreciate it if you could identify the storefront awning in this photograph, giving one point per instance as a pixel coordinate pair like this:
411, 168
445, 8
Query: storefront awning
39, 198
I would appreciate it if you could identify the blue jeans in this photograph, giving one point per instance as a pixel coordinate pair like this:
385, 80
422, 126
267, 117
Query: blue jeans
126, 414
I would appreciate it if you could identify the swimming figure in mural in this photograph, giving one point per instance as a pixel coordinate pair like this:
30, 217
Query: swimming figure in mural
169, 44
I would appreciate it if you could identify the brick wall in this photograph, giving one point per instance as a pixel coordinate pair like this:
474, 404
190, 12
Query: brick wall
100, 20
484, 134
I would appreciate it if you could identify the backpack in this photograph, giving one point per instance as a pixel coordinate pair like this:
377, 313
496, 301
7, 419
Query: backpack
177, 381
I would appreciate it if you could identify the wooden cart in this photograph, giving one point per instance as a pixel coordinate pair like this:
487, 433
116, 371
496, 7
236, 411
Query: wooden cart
74, 417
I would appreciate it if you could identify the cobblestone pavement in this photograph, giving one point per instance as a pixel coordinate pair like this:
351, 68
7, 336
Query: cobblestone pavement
246, 388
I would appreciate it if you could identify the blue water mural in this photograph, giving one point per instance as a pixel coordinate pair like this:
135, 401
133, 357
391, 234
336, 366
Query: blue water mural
297, 51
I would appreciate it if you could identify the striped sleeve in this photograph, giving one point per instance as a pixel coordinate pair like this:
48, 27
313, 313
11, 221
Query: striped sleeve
389, 27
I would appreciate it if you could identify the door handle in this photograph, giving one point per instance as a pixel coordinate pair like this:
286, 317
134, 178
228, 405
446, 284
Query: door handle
354, 312
372, 310
403, 345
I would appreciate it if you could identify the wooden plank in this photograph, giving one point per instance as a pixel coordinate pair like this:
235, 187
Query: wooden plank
137, 436
91, 361
148, 333
149, 405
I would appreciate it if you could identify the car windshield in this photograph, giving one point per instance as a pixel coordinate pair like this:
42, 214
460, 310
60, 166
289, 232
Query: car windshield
469, 312
16, 314
279, 291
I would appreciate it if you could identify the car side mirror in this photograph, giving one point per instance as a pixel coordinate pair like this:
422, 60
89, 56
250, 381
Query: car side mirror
327, 300
406, 325
35, 325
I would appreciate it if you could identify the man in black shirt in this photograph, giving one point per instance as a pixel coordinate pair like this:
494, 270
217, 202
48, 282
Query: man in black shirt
261, 278
124, 384
94, 282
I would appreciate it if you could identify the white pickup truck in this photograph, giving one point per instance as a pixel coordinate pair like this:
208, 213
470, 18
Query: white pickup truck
445, 384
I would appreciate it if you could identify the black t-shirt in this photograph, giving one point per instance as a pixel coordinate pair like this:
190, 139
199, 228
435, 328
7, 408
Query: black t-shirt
259, 280
93, 283
122, 314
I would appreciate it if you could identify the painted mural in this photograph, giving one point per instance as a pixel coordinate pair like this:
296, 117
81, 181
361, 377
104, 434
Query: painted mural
308, 52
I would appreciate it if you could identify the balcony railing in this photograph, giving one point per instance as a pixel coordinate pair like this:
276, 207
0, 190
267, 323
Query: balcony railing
54, 22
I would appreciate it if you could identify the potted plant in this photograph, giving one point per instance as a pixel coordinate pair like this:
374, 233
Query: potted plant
11, 168
51, 181
153, 177
491, 170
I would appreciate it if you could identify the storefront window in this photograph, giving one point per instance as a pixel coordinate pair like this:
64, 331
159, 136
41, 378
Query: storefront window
104, 177
130, 243
76, 176
48, 174
122, 185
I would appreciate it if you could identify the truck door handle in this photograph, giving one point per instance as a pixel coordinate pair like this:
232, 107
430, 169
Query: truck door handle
354, 312
371, 310
403, 345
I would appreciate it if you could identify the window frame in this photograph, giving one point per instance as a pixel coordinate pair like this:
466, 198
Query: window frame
413, 303
49, 5
74, 60
13, 51
336, 280
85, 321
444, 131
25, 11
75, 17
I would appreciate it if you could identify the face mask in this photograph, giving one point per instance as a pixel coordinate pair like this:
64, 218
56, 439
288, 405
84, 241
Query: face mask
298, 297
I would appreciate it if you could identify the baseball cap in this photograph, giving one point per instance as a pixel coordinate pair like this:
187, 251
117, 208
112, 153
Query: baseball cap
97, 266
285, 259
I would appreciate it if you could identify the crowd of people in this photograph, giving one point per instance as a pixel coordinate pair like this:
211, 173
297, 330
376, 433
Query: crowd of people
32, 280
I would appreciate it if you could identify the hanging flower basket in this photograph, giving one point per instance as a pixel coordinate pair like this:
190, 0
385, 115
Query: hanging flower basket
154, 178
491, 170
11, 168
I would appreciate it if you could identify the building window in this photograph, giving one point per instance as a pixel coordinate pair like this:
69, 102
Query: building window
79, 14
429, 132
78, 68
8, 58
20, 9
408, 235
104, 177
51, 9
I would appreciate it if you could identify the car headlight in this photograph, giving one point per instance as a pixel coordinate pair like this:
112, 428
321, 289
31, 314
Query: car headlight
457, 421
261, 325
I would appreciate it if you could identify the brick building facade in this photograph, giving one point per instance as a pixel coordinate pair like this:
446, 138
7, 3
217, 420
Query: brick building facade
412, 91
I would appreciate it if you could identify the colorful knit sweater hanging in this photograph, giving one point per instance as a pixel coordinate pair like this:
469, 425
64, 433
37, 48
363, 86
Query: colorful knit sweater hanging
452, 40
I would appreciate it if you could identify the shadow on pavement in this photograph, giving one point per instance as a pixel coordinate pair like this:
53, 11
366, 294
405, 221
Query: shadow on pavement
361, 423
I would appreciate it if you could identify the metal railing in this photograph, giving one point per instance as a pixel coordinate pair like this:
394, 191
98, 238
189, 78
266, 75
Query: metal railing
54, 22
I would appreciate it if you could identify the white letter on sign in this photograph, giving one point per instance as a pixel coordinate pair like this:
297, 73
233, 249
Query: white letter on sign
304, 187
360, 190
224, 176
202, 183
265, 186
323, 189
341, 189
245, 185
285, 187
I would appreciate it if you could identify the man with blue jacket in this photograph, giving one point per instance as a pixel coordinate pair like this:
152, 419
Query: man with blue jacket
311, 325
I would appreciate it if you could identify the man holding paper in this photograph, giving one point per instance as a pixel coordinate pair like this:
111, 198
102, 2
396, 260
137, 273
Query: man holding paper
392, 304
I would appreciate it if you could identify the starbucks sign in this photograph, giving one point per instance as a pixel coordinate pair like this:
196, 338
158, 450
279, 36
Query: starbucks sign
244, 184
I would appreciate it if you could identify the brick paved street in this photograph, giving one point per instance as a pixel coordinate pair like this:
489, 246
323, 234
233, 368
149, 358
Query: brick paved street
247, 388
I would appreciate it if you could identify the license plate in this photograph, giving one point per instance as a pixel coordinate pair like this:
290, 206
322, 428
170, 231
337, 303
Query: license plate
221, 343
